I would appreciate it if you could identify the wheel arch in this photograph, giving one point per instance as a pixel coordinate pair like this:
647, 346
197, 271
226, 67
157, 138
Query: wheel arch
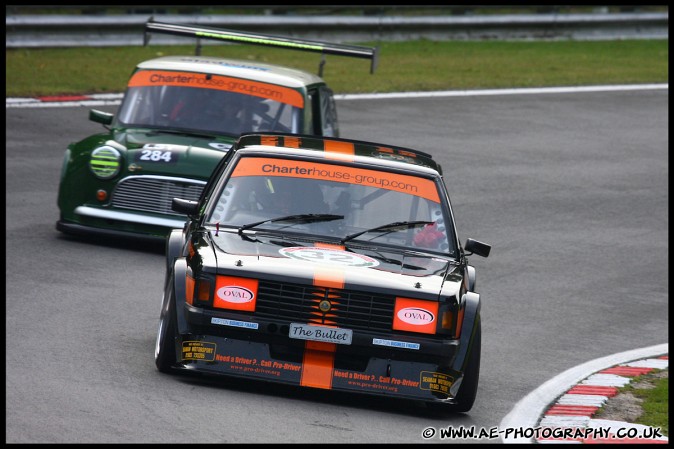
174, 245
470, 271
471, 319
179, 291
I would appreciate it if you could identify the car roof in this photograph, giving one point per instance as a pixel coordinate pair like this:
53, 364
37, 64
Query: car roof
253, 70
342, 149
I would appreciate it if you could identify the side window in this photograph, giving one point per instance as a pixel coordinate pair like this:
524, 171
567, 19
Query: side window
314, 112
329, 113
324, 112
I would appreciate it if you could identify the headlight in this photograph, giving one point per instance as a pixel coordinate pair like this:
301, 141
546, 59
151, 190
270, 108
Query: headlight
105, 162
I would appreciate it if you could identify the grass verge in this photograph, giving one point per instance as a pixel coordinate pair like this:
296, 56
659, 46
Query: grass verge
655, 402
421, 65
645, 400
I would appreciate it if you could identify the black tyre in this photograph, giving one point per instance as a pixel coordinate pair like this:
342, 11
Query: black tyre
468, 389
165, 347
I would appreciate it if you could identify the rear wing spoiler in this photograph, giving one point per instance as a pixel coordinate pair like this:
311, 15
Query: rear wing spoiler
201, 32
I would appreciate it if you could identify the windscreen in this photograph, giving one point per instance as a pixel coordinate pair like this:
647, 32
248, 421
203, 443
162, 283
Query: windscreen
209, 103
262, 188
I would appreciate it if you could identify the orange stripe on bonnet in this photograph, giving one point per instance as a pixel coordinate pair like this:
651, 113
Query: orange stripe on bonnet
342, 151
319, 357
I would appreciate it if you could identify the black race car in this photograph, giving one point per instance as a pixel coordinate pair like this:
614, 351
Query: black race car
327, 263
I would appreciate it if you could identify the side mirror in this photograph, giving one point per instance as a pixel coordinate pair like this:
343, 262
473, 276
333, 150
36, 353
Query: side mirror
104, 118
475, 247
187, 207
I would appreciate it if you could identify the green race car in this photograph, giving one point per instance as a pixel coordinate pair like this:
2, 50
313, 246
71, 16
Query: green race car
178, 118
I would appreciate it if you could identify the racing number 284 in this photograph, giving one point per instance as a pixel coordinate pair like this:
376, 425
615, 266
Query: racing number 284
155, 156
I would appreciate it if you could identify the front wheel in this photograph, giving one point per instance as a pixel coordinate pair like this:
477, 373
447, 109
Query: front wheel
165, 347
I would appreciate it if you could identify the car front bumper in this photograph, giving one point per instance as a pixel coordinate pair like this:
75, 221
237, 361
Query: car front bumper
403, 366
87, 220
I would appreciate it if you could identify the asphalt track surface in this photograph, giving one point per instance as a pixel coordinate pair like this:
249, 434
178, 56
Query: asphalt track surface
571, 189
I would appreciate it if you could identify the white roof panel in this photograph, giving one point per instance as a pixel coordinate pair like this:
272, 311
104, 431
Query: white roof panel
257, 71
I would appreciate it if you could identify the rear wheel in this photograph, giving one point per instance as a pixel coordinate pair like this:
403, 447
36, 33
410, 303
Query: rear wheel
468, 389
165, 347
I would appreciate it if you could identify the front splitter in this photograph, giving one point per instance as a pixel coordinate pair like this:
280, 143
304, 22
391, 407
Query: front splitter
318, 366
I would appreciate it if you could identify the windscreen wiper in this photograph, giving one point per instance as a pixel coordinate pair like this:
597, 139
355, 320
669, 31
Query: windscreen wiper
298, 218
387, 228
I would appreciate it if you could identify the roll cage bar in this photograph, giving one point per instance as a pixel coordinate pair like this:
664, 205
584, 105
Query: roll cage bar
201, 32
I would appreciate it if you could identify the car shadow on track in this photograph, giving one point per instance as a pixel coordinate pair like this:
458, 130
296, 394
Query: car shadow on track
397, 406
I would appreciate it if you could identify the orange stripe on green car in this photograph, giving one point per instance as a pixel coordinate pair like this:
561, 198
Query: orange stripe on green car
217, 82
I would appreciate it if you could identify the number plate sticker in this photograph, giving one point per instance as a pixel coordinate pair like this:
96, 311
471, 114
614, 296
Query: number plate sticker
159, 156
329, 256
320, 333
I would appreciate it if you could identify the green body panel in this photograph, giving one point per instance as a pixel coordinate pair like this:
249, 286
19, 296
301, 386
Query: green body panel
196, 159
159, 159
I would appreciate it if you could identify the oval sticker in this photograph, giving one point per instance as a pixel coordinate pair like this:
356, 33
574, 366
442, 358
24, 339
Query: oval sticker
329, 256
415, 316
235, 294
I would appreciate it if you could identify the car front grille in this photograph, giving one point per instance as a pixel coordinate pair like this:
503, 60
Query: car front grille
154, 193
348, 309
